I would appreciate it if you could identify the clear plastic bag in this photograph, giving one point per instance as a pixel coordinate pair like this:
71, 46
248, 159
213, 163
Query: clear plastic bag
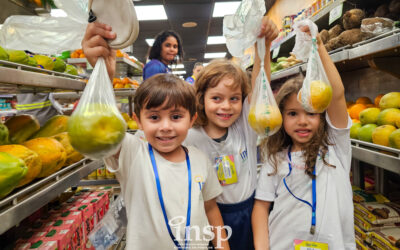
264, 116
376, 25
96, 128
316, 93
111, 228
242, 28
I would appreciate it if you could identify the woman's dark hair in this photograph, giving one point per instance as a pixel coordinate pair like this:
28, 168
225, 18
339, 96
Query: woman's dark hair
155, 50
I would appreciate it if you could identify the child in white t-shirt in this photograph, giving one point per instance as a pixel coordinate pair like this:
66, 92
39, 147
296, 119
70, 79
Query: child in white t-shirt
224, 134
169, 190
306, 173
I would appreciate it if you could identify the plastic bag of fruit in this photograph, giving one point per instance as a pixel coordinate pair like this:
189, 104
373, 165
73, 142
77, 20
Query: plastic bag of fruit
316, 92
264, 116
96, 127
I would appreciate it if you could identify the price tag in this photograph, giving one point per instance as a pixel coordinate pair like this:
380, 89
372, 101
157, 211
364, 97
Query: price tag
88, 66
275, 52
335, 13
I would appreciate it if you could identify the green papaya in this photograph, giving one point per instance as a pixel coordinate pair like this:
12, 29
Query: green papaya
3, 134
32, 61
44, 62
70, 69
12, 170
59, 65
55, 125
18, 56
3, 54
21, 127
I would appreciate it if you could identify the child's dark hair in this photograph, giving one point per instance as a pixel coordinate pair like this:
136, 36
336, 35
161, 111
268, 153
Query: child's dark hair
162, 88
278, 142
210, 76
155, 50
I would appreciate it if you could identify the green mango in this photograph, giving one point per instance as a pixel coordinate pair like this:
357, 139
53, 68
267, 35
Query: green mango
59, 65
3, 54
70, 69
44, 62
3, 134
18, 56
12, 170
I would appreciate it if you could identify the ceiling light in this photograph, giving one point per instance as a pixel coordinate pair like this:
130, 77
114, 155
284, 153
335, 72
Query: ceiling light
216, 40
58, 13
189, 24
179, 72
225, 8
215, 55
178, 66
150, 12
150, 41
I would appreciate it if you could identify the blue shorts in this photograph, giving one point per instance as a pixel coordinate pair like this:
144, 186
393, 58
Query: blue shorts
238, 217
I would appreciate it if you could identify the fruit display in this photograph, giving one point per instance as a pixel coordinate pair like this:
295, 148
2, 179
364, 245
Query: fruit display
96, 129
376, 124
284, 63
78, 54
12, 170
125, 82
72, 155
21, 127
265, 119
3, 54
55, 125
130, 122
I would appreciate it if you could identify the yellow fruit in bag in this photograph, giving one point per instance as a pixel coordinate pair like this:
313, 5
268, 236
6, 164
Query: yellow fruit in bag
96, 128
265, 119
320, 96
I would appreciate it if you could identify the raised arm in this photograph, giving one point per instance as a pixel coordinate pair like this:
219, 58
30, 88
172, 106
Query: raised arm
269, 31
259, 223
94, 45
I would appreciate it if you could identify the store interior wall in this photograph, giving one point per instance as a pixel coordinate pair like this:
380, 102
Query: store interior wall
368, 82
282, 8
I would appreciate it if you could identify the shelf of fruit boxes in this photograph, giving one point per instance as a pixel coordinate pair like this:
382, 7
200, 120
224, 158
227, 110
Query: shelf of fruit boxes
23, 202
75, 95
384, 42
19, 78
119, 60
377, 155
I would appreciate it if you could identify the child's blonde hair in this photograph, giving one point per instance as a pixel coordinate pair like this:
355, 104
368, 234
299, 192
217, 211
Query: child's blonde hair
210, 76
278, 142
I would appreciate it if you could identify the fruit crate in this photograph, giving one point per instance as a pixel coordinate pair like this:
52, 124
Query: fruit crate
384, 157
24, 201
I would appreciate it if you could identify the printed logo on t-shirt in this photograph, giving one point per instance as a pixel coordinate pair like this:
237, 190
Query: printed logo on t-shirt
244, 155
200, 181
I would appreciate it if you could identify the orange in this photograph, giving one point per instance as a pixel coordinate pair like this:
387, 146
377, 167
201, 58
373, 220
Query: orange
82, 56
80, 51
74, 55
265, 119
355, 121
119, 86
356, 110
126, 80
378, 99
319, 99
349, 104
119, 53
370, 105
363, 100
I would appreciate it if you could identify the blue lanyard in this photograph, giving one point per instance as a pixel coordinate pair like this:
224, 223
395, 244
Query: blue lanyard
314, 193
160, 197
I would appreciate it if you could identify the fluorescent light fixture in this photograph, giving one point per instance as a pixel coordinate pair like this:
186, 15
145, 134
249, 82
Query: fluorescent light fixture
150, 41
225, 8
58, 13
150, 12
215, 55
179, 72
216, 40
178, 66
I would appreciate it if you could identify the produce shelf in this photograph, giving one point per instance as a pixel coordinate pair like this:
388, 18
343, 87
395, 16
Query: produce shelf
8, 112
19, 80
76, 95
380, 156
118, 59
23, 202
98, 182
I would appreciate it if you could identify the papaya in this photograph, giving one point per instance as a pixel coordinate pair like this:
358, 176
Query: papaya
3, 54
72, 155
55, 125
32, 61
44, 62
70, 69
18, 56
31, 159
51, 153
59, 65
12, 170
21, 127
3, 134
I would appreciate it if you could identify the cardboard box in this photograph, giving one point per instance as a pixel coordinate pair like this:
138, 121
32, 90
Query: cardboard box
63, 236
22, 246
43, 244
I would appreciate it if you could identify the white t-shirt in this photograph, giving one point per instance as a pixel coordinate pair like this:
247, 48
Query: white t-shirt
334, 213
146, 226
241, 142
